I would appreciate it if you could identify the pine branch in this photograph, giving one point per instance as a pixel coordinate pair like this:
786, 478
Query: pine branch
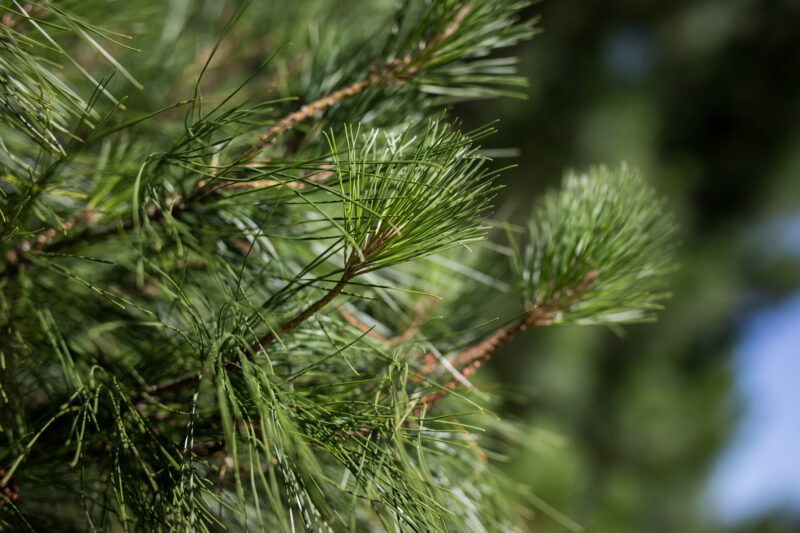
392, 72
48, 241
607, 221
599, 251
210, 247
469, 360
397, 211
261, 343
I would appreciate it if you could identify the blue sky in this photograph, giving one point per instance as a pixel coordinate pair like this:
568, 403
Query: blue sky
759, 471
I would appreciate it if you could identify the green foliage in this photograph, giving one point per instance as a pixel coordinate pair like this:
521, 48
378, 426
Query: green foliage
411, 197
215, 317
602, 243
451, 43
33, 97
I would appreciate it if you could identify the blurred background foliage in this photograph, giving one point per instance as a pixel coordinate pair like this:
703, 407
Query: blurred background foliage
704, 97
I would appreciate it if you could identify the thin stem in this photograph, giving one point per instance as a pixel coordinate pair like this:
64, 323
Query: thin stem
309, 110
46, 241
390, 73
304, 315
419, 319
8, 490
290, 325
472, 358
182, 383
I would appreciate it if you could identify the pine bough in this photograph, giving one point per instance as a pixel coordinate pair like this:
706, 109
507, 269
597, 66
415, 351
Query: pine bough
225, 308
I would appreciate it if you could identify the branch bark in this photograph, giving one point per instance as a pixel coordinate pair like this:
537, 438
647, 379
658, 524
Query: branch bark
286, 327
469, 360
304, 315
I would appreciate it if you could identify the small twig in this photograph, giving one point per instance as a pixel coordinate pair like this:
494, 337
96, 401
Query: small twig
309, 110
304, 315
392, 72
182, 383
290, 325
204, 449
472, 358
423, 309
299, 184
367, 330
45, 239
354, 265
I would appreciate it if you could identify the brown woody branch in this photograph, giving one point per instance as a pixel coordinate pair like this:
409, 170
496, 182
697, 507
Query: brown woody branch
469, 360
352, 268
311, 310
354, 265
286, 327
45, 240
393, 72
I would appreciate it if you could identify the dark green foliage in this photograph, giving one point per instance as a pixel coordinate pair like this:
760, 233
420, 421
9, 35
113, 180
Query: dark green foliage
213, 298
602, 241
406, 198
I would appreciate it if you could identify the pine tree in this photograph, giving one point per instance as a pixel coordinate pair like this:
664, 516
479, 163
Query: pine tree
245, 265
